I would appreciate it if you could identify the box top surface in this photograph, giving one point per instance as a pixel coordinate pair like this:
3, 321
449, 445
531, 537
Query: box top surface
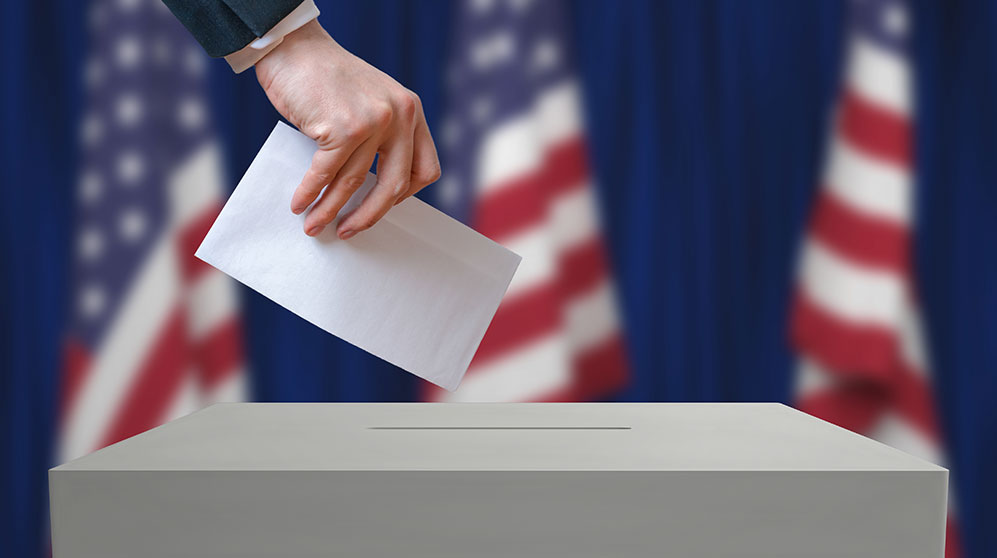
499, 437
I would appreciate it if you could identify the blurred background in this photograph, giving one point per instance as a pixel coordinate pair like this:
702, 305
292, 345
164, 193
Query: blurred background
715, 201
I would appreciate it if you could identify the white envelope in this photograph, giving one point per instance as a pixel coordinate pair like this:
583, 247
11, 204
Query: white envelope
418, 289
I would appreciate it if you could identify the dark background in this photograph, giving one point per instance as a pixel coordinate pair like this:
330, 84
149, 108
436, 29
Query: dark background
707, 122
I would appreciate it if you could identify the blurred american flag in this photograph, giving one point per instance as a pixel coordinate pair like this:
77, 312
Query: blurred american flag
153, 333
515, 160
855, 320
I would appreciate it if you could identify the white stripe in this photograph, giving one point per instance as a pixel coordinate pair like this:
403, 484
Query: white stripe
879, 76
232, 388
850, 292
560, 113
538, 264
527, 373
517, 147
895, 432
591, 317
574, 217
811, 378
211, 301
140, 319
912, 343
187, 398
869, 186
196, 185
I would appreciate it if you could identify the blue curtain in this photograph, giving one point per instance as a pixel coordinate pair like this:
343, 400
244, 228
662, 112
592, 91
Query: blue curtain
707, 122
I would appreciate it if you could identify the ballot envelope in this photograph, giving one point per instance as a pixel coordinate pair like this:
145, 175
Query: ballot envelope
498, 480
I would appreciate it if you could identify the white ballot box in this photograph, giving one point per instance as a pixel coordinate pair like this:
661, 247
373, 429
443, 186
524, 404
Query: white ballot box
498, 480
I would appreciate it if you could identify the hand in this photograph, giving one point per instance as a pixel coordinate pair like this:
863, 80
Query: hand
353, 111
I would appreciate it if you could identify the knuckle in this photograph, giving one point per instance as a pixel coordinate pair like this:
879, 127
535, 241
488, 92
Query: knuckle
353, 132
431, 173
324, 214
368, 221
323, 134
381, 115
319, 179
407, 103
333, 136
353, 182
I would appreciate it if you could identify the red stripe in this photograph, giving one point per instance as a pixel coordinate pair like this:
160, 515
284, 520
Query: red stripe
953, 542
155, 385
582, 267
219, 354
525, 317
875, 130
598, 371
867, 240
523, 202
190, 238
913, 400
76, 363
567, 165
856, 405
601, 370
847, 348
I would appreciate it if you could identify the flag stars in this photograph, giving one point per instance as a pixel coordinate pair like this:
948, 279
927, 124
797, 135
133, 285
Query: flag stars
191, 114
491, 51
91, 187
128, 110
91, 244
91, 130
895, 19
449, 191
128, 5
193, 61
451, 132
482, 6
93, 299
482, 109
130, 167
128, 52
545, 56
93, 73
132, 226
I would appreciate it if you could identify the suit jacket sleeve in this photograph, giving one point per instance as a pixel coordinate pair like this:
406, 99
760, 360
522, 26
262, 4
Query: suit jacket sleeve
225, 26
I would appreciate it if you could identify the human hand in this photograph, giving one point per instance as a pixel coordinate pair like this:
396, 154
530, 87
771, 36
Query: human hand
353, 111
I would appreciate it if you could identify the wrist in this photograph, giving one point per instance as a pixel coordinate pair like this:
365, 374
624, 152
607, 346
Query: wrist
304, 15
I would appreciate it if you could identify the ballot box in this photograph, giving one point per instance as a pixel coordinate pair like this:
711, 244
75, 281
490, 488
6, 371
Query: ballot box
498, 480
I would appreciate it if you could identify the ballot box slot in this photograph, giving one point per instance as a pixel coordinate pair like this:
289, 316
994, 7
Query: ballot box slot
499, 428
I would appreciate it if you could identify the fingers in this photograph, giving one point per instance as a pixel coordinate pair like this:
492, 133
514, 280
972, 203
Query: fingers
394, 171
325, 165
425, 162
351, 176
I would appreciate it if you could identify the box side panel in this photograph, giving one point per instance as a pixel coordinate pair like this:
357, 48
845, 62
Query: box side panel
498, 514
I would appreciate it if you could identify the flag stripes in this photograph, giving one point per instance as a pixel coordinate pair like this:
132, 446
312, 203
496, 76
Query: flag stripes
156, 333
519, 152
855, 320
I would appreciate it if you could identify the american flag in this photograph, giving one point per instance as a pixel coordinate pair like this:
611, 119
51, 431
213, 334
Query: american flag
516, 168
855, 320
153, 332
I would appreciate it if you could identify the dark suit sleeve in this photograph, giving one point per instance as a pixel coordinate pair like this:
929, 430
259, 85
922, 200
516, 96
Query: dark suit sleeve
225, 26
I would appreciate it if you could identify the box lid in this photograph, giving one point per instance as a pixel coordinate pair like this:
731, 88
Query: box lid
499, 437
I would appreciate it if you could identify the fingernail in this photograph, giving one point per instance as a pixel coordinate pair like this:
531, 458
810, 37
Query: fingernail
347, 234
315, 230
296, 209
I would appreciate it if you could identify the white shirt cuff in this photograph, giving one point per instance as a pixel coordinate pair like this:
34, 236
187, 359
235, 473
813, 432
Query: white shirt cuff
246, 57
